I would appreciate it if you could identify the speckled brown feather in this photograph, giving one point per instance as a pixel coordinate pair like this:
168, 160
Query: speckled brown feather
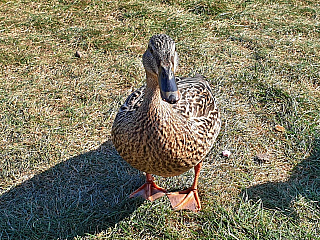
167, 139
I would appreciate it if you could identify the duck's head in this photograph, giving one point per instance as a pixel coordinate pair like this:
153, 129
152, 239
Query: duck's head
160, 61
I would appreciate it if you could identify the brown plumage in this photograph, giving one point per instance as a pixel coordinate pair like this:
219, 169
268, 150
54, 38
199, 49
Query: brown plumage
163, 128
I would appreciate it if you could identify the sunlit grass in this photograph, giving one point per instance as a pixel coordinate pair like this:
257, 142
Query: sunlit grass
60, 176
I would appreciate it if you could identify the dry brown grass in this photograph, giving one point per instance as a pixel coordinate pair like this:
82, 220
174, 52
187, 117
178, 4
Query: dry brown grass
60, 176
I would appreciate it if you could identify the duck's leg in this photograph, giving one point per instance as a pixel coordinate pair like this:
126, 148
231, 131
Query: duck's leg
149, 190
187, 199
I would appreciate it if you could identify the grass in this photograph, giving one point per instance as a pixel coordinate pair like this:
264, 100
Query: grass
61, 178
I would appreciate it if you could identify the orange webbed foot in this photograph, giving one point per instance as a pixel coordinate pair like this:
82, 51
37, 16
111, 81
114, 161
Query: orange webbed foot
149, 190
187, 199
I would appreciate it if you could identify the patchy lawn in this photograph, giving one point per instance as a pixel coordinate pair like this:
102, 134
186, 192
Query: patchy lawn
60, 176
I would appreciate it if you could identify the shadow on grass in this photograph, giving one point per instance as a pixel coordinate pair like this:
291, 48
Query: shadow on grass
303, 182
85, 194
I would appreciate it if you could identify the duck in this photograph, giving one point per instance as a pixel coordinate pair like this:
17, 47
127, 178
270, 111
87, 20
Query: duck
167, 126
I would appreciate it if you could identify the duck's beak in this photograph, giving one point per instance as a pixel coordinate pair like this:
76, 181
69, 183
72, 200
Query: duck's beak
168, 86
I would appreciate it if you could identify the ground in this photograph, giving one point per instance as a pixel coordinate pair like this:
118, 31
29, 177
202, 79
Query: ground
60, 176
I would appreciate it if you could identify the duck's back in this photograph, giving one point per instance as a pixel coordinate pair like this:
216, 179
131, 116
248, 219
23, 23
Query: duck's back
168, 147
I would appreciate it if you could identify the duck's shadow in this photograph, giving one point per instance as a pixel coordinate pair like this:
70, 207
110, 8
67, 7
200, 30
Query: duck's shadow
85, 194
304, 182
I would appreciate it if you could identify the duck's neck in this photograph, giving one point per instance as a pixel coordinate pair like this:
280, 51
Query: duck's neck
153, 102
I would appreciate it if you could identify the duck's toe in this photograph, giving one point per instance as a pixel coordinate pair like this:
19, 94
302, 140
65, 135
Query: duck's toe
188, 199
149, 190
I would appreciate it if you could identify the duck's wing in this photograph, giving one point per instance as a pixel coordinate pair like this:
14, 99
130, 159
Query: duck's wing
196, 100
133, 102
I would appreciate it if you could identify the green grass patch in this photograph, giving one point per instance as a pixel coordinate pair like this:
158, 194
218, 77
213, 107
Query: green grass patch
61, 178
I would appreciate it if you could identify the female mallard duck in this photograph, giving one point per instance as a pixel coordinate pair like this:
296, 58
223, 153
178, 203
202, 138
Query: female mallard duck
168, 126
